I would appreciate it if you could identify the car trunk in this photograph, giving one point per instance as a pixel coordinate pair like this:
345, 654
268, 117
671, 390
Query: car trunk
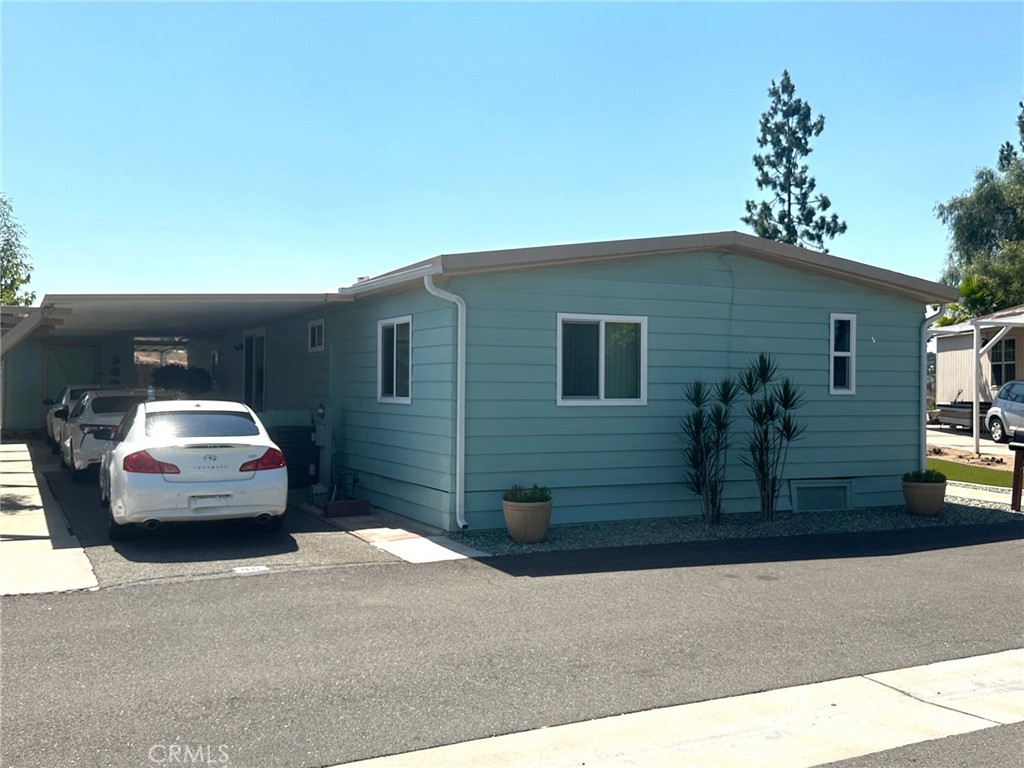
213, 462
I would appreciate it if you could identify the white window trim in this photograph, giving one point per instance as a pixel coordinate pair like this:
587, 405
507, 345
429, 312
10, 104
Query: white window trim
600, 400
381, 325
832, 354
310, 346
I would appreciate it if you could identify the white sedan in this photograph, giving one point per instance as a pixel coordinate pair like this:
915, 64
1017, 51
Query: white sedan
67, 397
187, 460
94, 410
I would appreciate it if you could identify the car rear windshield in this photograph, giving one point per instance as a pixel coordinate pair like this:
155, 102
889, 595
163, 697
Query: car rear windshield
203, 424
116, 403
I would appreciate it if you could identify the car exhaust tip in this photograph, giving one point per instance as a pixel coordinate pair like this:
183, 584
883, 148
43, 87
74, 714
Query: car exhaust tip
149, 525
262, 519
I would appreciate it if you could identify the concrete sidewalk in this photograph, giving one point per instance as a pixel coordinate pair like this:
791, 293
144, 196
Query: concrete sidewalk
794, 727
37, 551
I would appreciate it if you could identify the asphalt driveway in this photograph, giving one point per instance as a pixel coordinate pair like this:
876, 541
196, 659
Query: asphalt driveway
193, 550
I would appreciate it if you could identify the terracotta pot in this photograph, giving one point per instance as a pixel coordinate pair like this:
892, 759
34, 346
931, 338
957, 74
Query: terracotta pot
924, 498
527, 522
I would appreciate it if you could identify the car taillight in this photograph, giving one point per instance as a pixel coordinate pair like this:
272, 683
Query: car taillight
146, 464
88, 429
272, 459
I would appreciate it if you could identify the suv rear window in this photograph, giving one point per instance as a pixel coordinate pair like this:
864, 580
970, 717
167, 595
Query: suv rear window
115, 403
204, 424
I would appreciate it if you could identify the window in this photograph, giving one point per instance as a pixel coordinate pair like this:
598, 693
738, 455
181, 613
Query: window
394, 360
842, 354
315, 336
602, 360
200, 424
1004, 362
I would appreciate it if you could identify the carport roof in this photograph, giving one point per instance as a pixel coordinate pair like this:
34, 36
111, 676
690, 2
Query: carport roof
150, 315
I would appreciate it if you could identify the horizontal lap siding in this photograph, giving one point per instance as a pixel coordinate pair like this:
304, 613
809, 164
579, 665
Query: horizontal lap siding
708, 315
297, 378
402, 455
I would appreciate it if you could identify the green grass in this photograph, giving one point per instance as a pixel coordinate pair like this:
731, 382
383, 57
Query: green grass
964, 473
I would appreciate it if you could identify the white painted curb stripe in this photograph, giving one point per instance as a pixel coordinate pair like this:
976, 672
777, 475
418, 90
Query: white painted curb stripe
791, 727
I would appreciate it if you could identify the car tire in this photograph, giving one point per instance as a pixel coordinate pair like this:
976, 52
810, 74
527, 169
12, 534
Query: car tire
997, 431
104, 499
117, 531
63, 461
54, 447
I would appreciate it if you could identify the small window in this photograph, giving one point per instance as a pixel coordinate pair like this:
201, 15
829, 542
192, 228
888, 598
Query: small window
1004, 362
394, 360
602, 360
315, 336
843, 355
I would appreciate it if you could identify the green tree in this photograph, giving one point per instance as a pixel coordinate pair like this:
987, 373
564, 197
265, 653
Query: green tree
986, 236
15, 265
796, 213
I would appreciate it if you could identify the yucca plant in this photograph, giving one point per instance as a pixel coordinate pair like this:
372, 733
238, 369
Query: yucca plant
706, 435
772, 427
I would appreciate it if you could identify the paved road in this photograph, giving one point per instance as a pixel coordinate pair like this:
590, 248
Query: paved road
312, 667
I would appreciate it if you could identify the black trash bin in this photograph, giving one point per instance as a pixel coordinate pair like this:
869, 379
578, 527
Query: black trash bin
301, 453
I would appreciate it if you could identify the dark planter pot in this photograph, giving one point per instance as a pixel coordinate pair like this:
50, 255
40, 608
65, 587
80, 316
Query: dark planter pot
346, 508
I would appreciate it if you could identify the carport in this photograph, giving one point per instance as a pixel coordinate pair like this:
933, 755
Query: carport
44, 347
1001, 323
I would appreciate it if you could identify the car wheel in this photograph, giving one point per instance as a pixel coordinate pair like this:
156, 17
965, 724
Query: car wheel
63, 461
54, 447
997, 431
119, 532
104, 499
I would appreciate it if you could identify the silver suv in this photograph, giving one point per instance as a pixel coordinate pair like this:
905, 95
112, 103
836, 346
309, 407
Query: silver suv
1005, 419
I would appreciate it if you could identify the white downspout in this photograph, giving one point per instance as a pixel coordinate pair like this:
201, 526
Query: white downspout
924, 382
460, 399
975, 381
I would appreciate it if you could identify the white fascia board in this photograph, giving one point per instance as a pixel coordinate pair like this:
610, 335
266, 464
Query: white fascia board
392, 279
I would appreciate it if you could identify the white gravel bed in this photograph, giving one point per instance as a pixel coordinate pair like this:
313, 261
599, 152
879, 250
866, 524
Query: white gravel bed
958, 511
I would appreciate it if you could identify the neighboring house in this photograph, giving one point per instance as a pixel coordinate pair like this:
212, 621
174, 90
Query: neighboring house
1000, 345
437, 386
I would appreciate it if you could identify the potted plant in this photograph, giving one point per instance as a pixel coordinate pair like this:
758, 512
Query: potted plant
924, 492
527, 513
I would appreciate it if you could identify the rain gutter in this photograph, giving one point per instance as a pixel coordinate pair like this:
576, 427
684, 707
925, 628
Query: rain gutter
460, 398
925, 326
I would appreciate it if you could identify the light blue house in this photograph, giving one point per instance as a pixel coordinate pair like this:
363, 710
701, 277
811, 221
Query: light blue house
444, 383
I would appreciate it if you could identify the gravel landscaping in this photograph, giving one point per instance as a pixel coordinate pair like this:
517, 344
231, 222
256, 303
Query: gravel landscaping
957, 511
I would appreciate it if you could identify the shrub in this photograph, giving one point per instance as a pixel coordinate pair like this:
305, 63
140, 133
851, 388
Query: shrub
706, 433
925, 476
174, 378
523, 495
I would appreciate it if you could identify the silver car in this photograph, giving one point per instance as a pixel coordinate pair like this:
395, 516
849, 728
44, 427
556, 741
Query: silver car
1005, 419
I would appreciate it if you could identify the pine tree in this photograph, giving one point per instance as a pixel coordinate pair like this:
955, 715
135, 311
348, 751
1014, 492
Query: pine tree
795, 214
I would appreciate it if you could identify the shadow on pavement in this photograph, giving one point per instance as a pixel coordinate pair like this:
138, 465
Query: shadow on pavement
764, 550
178, 542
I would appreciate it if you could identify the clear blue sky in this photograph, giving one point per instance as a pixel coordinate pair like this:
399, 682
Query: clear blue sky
261, 147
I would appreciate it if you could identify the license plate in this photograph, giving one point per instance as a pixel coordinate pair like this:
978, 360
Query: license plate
204, 502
